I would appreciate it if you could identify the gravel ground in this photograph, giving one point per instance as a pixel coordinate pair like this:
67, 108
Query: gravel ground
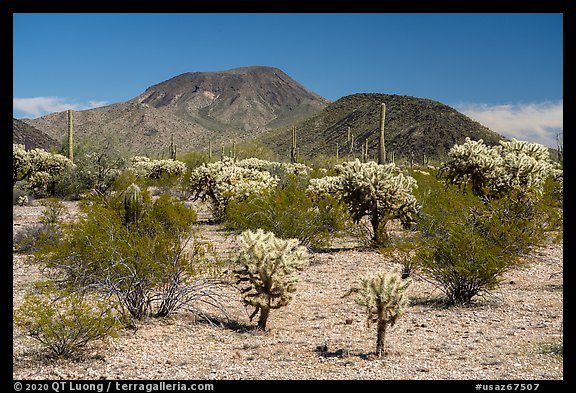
515, 332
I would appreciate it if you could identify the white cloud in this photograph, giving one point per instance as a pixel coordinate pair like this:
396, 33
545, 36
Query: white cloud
96, 104
532, 122
40, 106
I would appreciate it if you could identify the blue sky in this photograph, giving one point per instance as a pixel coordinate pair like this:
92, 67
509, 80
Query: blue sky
503, 70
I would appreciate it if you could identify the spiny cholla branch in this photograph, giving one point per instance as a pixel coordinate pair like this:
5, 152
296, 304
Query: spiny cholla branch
264, 264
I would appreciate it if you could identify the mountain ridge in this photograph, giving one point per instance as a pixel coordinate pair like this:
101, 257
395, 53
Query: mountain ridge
262, 104
31, 137
195, 107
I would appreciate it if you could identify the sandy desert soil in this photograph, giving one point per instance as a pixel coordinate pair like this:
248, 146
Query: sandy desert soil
516, 332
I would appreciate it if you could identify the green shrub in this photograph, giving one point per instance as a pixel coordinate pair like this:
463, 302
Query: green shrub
96, 168
290, 214
516, 223
403, 251
441, 206
153, 263
454, 250
65, 322
471, 238
463, 263
47, 232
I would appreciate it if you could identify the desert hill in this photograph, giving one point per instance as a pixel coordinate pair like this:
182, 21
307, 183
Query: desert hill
414, 127
238, 104
30, 137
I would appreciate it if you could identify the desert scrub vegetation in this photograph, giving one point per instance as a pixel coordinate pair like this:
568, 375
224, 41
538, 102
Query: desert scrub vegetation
519, 185
492, 172
141, 256
484, 209
288, 212
64, 322
47, 231
143, 253
96, 167
263, 268
228, 180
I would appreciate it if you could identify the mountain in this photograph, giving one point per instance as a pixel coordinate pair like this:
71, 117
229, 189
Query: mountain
30, 137
413, 127
196, 107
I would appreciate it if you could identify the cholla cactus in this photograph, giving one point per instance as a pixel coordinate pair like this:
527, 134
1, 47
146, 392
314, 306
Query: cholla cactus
21, 165
22, 200
264, 264
526, 165
223, 181
384, 297
495, 171
154, 169
274, 167
380, 192
322, 186
133, 204
39, 167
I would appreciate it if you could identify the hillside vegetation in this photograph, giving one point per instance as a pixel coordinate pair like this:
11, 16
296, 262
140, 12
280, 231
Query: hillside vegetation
414, 128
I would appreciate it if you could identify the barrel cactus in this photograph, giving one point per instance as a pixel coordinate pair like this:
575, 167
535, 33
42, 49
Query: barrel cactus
133, 204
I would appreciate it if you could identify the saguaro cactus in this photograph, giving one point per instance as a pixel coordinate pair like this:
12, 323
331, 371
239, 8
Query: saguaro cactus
70, 137
293, 150
384, 297
172, 148
559, 149
365, 151
351, 143
209, 151
381, 146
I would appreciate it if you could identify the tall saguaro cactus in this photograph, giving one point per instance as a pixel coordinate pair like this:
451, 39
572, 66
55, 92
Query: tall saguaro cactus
559, 149
381, 146
351, 143
70, 136
209, 151
293, 150
172, 148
